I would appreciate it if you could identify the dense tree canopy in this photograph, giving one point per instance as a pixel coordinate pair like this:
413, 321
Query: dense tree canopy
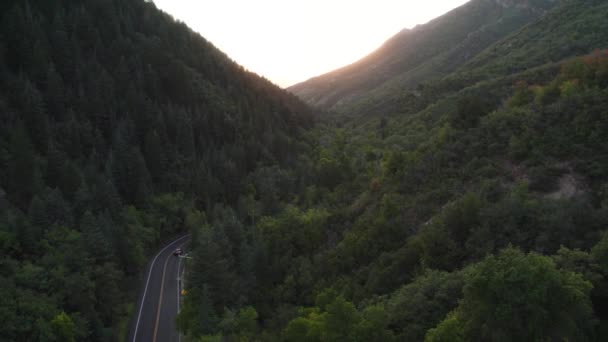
490, 227
475, 208
521, 297
116, 122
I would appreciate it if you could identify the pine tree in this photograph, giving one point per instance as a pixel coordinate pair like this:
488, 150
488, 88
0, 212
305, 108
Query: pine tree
141, 178
185, 137
94, 230
213, 265
82, 200
70, 179
154, 155
110, 300
58, 210
24, 177
106, 197
56, 160
55, 95
14, 26
63, 52
121, 166
39, 220
34, 116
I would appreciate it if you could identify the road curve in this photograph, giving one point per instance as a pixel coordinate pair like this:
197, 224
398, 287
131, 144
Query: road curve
154, 316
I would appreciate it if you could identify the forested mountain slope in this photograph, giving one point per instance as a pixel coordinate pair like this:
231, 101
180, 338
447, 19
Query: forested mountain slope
426, 52
495, 216
115, 123
471, 208
570, 28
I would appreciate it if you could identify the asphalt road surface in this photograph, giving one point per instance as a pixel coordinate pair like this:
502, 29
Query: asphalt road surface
158, 305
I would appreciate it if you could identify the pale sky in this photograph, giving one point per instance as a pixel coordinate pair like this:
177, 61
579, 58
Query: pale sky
290, 41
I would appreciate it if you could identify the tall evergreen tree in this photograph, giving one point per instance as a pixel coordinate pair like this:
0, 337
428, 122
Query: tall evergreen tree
24, 176
35, 117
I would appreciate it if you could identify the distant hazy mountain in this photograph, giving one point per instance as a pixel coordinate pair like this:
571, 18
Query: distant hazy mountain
426, 52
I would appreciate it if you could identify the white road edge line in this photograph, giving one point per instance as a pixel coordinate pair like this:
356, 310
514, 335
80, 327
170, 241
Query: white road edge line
179, 282
143, 298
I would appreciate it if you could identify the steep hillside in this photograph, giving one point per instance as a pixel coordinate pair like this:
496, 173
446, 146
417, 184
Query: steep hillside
116, 122
428, 51
432, 230
571, 28
474, 208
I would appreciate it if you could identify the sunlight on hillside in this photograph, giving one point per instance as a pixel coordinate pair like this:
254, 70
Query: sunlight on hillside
291, 41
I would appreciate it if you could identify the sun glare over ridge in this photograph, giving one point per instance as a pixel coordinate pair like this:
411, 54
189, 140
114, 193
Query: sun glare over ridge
291, 41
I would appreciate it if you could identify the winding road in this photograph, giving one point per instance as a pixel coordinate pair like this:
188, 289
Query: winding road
158, 305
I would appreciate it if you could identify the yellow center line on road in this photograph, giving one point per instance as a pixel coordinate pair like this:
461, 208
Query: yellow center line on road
160, 299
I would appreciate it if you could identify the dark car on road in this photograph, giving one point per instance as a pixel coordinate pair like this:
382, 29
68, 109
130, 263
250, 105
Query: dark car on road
178, 252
